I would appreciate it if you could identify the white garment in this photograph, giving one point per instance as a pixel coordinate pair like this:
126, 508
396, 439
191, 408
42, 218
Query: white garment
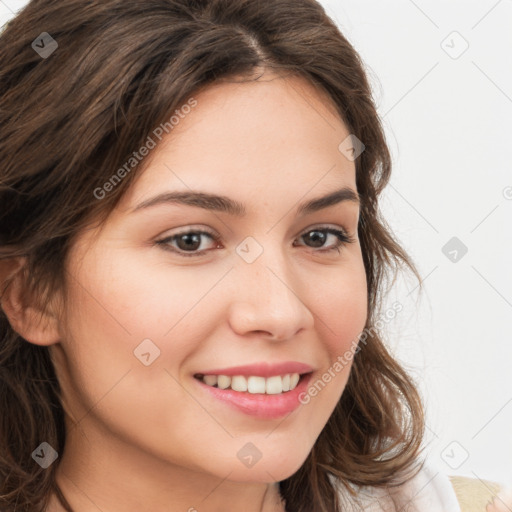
428, 491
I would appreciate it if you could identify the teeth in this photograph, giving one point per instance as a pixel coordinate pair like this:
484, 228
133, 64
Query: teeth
238, 383
211, 380
254, 384
274, 385
286, 382
223, 381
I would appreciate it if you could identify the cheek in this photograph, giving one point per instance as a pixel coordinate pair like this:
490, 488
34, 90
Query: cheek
113, 309
118, 313
151, 298
342, 308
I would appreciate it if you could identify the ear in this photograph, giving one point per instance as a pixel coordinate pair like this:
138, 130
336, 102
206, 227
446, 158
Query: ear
26, 317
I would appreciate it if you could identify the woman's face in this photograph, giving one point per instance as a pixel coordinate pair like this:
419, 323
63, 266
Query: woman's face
148, 308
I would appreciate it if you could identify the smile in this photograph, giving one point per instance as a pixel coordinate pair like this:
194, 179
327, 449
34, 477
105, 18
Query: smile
253, 384
262, 397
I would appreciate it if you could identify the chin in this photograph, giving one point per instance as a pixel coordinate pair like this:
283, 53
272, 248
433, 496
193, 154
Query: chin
265, 472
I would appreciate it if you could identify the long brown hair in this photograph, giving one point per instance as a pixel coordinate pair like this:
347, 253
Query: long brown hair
117, 69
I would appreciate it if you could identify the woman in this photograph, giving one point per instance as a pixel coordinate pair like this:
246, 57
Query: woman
194, 266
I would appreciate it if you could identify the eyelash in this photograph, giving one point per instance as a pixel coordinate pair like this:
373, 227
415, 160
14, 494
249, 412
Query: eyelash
343, 239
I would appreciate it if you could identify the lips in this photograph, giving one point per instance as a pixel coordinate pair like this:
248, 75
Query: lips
260, 405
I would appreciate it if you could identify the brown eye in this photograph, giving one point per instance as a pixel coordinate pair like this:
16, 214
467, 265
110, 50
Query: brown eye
187, 242
318, 237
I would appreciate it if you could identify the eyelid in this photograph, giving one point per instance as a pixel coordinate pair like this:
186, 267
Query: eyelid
189, 229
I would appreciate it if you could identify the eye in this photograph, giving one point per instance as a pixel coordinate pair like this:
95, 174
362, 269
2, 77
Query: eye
189, 242
318, 237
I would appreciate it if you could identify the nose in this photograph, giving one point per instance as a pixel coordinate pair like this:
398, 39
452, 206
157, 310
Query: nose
269, 300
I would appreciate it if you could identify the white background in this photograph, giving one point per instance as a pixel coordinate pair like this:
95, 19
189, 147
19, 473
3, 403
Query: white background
448, 122
447, 114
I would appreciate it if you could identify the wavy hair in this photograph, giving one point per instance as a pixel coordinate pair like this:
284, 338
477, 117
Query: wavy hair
67, 120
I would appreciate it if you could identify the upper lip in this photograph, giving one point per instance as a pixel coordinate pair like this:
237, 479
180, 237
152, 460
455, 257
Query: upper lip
262, 369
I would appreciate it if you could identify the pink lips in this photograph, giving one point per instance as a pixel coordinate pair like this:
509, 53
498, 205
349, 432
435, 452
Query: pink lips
262, 369
261, 405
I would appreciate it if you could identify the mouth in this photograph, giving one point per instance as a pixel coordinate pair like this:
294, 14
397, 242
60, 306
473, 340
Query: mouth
254, 384
265, 398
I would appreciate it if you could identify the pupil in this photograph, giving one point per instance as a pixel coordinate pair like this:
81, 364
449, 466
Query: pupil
190, 237
317, 236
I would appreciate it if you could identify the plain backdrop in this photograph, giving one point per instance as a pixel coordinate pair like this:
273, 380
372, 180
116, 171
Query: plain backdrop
441, 72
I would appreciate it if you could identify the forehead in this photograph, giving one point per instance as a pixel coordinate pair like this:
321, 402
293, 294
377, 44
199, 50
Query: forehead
251, 139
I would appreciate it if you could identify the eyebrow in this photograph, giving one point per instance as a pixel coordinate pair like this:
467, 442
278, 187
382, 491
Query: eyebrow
232, 207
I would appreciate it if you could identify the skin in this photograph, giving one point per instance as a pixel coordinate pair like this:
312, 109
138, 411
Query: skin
147, 437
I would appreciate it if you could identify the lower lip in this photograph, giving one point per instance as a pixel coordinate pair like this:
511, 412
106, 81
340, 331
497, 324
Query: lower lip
260, 405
